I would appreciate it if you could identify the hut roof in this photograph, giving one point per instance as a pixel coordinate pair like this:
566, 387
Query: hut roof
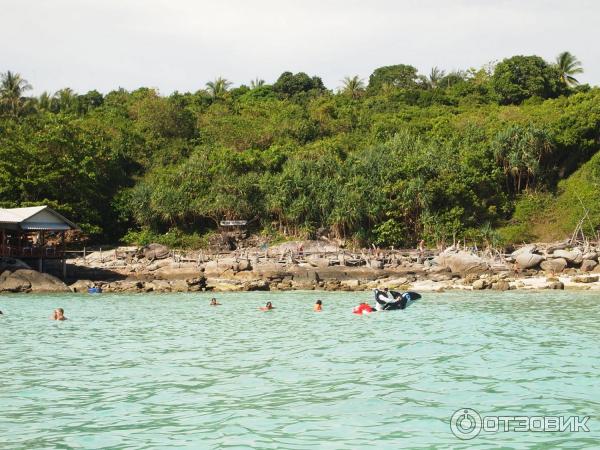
35, 218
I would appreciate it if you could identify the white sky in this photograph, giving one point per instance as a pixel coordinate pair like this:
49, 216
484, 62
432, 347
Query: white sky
181, 44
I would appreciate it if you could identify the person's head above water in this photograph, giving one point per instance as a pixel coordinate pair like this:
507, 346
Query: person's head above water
269, 305
319, 302
59, 314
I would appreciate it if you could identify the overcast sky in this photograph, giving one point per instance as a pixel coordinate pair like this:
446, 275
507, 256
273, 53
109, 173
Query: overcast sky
181, 44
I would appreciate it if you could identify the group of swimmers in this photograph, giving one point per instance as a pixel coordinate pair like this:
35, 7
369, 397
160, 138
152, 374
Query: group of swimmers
382, 303
57, 314
269, 305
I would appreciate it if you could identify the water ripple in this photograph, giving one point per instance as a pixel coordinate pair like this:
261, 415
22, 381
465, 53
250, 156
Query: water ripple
167, 371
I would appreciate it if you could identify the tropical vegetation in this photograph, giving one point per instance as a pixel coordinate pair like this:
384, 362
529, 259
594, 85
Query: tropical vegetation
497, 154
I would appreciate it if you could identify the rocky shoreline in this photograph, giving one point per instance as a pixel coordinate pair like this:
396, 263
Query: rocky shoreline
317, 266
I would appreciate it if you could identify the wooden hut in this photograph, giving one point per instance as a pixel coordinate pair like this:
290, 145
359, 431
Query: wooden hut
36, 232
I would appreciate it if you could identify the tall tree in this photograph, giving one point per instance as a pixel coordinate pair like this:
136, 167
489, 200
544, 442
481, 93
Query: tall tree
218, 87
12, 88
521, 77
256, 83
353, 87
399, 76
568, 65
435, 76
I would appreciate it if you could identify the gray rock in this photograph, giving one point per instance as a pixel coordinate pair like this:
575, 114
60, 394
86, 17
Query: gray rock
586, 279
526, 249
590, 255
376, 264
501, 286
15, 284
318, 262
41, 282
587, 265
555, 285
573, 257
528, 260
462, 262
156, 251
555, 265
479, 285
259, 285
244, 264
179, 286
81, 285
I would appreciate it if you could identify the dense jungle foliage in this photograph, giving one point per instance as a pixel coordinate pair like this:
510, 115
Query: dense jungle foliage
481, 154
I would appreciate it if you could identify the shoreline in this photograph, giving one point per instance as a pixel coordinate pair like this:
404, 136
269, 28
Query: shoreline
321, 267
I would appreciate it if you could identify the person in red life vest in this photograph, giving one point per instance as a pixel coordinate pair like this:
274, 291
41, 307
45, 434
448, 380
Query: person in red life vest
363, 308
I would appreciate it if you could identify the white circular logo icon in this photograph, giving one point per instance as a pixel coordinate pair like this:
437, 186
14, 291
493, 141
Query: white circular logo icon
465, 423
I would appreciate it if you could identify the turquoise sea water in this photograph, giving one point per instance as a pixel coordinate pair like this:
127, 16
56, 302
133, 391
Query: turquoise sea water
168, 371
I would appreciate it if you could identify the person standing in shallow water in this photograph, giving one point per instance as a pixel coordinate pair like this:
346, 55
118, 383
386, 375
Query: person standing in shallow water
318, 306
214, 302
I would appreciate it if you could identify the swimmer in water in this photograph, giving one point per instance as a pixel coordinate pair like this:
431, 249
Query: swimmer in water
214, 302
59, 314
318, 306
363, 308
268, 307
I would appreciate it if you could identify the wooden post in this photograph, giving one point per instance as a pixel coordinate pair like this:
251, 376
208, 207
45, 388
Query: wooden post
64, 255
42, 243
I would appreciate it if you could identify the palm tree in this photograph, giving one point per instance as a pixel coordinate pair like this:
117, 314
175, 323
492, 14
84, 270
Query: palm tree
256, 83
44, 102
218, 88
568, 65
353, 87
65, 98
434, 78
12, 88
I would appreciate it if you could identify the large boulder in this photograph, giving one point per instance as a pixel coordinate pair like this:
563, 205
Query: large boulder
38, 282
81, 285
572, 256
587, 265
462, 262
481, 284
501, 285
555, 265
260, 285
585, 279
528, 260
10, 283
531, 248
156, 251
318, 262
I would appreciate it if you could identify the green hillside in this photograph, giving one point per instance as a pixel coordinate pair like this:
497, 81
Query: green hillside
473, 154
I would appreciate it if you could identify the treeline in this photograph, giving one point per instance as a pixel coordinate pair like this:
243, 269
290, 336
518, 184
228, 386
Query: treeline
386, 162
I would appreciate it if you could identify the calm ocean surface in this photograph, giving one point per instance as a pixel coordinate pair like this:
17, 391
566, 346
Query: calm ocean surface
168, 371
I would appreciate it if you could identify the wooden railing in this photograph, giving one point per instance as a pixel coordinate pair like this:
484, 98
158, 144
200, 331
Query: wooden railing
31, 252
